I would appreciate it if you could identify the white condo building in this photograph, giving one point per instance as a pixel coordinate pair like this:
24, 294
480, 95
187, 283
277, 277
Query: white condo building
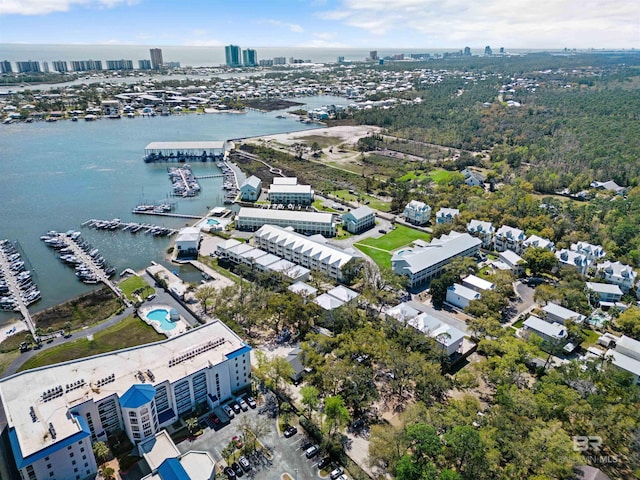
483, 230
55, 413
424, 263
417, 212
286, 190
509, 238
619, 274
252, 219
310, 252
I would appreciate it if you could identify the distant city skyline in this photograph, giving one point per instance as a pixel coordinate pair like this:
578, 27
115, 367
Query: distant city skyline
324, 23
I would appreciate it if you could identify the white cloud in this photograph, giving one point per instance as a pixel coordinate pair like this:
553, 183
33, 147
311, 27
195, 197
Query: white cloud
516, 23
42, 7
293, 27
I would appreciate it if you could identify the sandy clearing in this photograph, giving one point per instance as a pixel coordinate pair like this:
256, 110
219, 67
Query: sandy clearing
346, 134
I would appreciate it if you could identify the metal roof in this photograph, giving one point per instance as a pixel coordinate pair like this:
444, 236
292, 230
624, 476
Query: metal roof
137, 396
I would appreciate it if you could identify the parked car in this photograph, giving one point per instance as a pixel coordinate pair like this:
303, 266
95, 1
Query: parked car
242, 403
237, 468
343, 477
336, 472
290, 431
151, 297
251, 402
231, 474
382, 230
227, 409
244, 463
324, 463
312, 451
236, 407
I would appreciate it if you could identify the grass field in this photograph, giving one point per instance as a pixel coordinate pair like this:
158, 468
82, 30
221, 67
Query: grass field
319, 205
441, 176
413, 175
374, 202
397, 238
381, 258
134, 283
128, 333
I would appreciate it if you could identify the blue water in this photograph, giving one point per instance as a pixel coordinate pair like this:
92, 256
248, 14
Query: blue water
160, 315
212, 221
54, 176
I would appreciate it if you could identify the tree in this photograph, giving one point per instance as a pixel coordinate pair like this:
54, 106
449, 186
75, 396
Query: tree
108, 473
539, 260
310, 398
192, 424
101, 451
203, 294
336, 414
465, 449
629, 322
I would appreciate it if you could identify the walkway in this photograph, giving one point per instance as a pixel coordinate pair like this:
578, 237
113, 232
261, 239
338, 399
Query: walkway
10, 280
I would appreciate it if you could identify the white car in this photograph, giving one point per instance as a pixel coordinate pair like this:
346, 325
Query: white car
336, 473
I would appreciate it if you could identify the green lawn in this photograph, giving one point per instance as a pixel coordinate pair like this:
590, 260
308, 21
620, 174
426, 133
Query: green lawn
319, 205
382, 259
134, 283
128, 333
397, 238
374, 203
440, 176
591, 339
519, 323
413, 175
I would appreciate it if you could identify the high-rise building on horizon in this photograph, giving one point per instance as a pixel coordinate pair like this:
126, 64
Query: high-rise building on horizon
467, 51
29, 66
5, 67
156, 58
86, 65
60, 66
266, 62
373, 55
249, 57
488, 51
279, 60
144, 64
233, 56
120, 64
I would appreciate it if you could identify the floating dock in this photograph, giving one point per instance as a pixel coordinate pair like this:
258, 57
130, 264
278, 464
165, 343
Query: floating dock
18, 289
134, 227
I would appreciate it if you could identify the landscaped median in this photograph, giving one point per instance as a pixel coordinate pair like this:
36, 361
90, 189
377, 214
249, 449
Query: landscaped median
380, 249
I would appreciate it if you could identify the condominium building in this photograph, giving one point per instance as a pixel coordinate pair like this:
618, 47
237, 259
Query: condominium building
417, 212
538, 242
483, 230
593, 252
509, 238
233, 56
156, 58
5, 67
574, 259
310, 252
144, 64
120, 64
86, 65
286, 190
619, 274
279, 60
249, 57
55, 413
251, 189
252, 219
28, 67
60, 66
423, 263
446, 215
359, 220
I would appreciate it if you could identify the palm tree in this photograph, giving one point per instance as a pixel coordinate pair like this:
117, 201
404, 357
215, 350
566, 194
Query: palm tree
192, 424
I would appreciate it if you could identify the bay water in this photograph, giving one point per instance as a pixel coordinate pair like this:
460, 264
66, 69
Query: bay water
55, 176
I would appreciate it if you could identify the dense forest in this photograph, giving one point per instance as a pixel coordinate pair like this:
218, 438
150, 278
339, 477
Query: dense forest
570, 121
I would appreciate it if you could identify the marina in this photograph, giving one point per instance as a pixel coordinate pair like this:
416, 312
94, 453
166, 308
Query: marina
184, 182
90, 267
185, 151
17, 288
133, 227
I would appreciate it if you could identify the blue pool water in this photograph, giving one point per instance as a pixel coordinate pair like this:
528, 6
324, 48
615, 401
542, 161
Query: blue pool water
212, 221
160, 315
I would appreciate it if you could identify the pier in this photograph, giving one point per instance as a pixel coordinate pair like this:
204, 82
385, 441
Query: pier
184, 182
10, 280
134, 227
168, 214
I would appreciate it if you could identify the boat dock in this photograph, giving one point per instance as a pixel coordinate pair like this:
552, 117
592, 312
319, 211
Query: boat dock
90, 266
167, 214
184, 182
134, 227
19, 290
184, 151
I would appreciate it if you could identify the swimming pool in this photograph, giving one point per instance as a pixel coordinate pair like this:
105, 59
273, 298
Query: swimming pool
161, 316
212, 222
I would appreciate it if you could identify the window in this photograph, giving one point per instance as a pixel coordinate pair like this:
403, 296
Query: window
84, 457
75, 469
132, 414
86, 464
69, 447
71, 455
73, 462
51, 474
49, 466
82, 450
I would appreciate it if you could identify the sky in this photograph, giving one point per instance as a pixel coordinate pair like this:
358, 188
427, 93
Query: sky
325, 23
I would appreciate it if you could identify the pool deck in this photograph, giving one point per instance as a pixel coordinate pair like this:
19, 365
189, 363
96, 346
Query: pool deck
181, 325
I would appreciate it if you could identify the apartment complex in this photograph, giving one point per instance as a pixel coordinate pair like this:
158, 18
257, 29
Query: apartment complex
249, 58
287, 191
53, 422
426, 261
233, 56
310, 252
156, 58
252, 219
358, 220
417, 212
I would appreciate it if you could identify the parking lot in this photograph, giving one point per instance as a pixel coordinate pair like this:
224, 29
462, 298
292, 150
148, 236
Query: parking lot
286, 454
